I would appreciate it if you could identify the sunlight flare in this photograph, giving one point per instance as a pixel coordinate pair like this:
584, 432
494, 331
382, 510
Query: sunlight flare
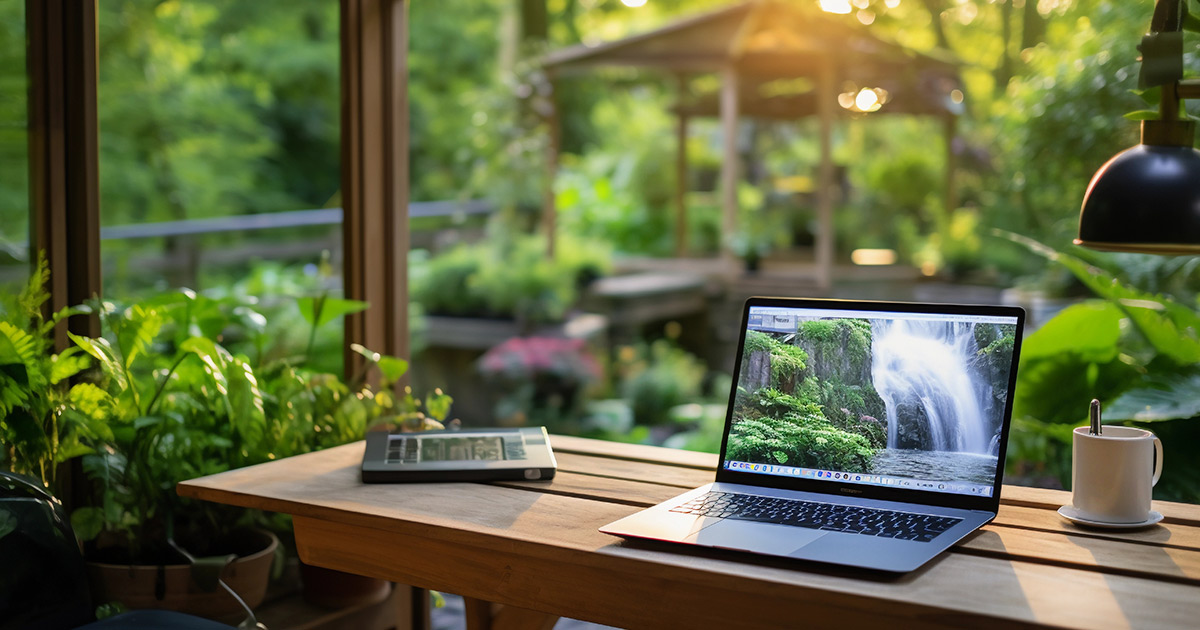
841, 7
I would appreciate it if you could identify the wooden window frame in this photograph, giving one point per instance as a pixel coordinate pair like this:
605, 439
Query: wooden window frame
63, 152
64, 162
375, 234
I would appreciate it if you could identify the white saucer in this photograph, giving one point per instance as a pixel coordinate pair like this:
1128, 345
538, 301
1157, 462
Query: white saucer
1071, 514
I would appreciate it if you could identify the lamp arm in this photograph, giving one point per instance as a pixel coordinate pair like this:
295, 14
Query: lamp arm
1168, 16
1162, 66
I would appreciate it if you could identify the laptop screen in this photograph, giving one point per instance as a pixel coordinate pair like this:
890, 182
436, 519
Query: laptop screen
910, 400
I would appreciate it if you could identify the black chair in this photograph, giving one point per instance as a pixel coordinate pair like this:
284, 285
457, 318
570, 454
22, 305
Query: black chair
43, 578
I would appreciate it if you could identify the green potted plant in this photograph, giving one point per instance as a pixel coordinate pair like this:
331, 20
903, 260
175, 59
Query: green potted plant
165, 400
36, 435
169, 403
180, 405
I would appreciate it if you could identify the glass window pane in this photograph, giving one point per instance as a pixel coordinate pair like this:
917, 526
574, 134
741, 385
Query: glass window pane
219, 153
14, 149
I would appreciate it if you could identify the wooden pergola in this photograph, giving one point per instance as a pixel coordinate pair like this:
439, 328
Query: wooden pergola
750, 46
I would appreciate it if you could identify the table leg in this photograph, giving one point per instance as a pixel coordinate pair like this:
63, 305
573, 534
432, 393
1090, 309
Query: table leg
412, 608
484, 615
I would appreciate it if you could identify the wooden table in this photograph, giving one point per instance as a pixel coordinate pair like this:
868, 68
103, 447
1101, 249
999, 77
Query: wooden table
533, 546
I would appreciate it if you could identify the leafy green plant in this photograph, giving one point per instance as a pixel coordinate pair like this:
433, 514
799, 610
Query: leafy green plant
178, 404
1138, 352
38, 428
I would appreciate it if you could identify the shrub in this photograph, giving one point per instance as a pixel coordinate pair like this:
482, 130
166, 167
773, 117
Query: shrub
807, 441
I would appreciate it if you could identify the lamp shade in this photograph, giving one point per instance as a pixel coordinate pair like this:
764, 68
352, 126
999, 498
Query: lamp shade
1145, 199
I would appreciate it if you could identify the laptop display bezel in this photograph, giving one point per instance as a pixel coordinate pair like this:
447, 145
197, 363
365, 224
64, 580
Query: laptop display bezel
885, 493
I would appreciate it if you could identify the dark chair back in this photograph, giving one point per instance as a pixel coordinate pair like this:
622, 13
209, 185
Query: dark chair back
43, 582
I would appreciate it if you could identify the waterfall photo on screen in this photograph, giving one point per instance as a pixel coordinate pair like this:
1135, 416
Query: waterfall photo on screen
912, 398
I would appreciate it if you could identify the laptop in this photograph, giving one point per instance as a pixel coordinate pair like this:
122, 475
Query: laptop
867, 434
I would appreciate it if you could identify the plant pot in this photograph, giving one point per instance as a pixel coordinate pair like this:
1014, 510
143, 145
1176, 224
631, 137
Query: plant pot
338, 589
171, 586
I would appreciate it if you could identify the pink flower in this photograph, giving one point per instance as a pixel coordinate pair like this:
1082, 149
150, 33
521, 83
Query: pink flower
527, 358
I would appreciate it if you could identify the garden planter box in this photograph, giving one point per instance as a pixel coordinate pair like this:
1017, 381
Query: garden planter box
171, 586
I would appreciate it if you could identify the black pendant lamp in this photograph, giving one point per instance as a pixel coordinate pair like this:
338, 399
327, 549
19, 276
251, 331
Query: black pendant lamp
1147, 198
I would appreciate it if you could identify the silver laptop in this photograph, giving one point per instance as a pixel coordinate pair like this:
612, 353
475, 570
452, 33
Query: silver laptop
868, 434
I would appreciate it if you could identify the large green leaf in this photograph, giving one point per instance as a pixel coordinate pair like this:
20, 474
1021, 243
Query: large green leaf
87, 522
100, 350
1172, 397
67, 364
138, 328
1089, 330
93, 403
19, 347
392, 368
216, 360
1172, 328
12, 393
246, 402
321, 310
437, 404
70, 448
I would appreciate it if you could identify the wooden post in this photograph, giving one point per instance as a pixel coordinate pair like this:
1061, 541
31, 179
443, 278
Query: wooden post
375, 174
549, 209
826, 101
681, 174
63, 152
949, 126
730, 169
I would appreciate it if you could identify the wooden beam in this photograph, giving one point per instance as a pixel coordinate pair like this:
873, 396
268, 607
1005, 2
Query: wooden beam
374, 49
949, 129
554, 132
681, 173
826, 102
63, 152
730, 168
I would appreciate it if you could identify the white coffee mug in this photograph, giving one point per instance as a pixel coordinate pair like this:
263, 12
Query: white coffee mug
1112, 473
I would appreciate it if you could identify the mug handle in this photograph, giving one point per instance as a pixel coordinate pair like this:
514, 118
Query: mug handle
1158, 457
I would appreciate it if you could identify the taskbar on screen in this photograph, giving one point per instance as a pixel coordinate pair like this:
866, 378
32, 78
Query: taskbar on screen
955, 487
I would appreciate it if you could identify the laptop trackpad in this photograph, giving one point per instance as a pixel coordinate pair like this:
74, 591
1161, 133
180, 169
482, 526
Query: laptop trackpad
779, 540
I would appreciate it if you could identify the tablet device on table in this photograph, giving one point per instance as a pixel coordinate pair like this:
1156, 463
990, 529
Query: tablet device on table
466, 455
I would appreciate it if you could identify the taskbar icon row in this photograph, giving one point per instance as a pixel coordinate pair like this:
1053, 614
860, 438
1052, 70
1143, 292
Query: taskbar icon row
850, 477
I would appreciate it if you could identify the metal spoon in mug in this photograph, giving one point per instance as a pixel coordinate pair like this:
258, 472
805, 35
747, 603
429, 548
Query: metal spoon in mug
1094, 416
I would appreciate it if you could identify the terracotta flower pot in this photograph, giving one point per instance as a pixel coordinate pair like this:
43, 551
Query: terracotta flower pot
171, 586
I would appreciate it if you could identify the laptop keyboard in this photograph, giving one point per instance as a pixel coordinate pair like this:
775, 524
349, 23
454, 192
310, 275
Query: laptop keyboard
814, 515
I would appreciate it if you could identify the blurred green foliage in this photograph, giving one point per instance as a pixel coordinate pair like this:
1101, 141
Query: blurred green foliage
508, 277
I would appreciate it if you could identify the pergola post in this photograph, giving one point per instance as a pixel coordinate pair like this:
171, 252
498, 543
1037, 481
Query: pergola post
949, 129
681, 172
730, 169
826, 100
553, 133
374, 124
